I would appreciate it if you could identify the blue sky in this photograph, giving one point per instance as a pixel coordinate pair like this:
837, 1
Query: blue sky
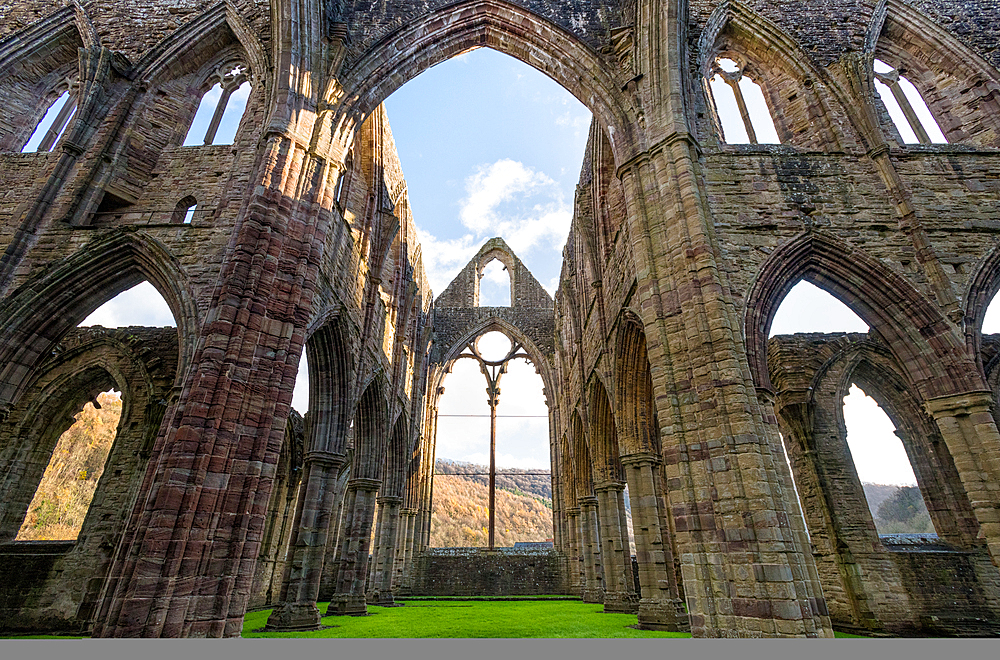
489, 146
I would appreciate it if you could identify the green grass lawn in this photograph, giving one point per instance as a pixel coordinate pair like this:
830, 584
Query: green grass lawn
466, 619
462, 619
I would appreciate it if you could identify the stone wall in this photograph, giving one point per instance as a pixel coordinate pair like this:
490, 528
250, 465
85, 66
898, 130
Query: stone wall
479, 572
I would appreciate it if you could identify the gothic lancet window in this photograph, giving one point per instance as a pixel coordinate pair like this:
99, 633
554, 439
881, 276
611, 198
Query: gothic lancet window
221, 108
906, 107
53, 124
740, 105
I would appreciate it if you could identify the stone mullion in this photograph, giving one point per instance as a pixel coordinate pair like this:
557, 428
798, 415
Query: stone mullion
306, 553
619, 588
970, 432
699, 323
659, 603
232, 380
856, 72
380, 589
350, 594
593, 591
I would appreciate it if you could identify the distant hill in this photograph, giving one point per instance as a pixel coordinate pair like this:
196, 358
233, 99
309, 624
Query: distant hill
67, 487
459, 517
460, 512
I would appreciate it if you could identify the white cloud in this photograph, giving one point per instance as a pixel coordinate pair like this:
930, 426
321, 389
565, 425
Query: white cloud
508, 199
141, 305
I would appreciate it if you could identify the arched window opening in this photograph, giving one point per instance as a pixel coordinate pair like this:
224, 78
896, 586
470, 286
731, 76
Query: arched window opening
184, 211
142, 305
53, 124
628, 521
494, 285
807, 308
221, 108
523, 492
991, 320
906, 107
740, 105
300, 395
795, 487
490, 146
886, 474
64, 495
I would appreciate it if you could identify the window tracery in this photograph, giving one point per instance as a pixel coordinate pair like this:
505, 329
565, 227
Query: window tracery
53, 124
907, 108
740, 106
222, 106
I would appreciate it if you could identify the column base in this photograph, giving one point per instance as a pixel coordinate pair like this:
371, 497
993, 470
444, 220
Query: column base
623, 603
347, 605
661, 615
593, 595
382, 599
291, 617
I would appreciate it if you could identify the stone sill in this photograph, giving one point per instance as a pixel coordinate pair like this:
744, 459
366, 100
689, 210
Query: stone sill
36, 547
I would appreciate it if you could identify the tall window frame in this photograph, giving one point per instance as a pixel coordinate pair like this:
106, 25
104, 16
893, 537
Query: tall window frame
229, 76
55, 120
756, 116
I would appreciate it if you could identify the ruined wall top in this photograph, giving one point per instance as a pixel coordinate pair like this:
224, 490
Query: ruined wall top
525, 289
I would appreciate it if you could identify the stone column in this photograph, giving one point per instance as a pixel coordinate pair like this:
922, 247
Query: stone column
743, 567
356, 530
384, 556
404, 557
619, 585
296, 608
593, 587
969, 430
660, 604
573, 558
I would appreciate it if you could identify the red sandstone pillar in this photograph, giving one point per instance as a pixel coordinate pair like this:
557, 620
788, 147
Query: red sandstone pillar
349, 597
185, 565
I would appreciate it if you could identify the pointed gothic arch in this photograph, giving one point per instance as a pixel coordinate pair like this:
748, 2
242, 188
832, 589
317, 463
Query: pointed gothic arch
42, 310
44, 57
444, 33
805, 110
911, 325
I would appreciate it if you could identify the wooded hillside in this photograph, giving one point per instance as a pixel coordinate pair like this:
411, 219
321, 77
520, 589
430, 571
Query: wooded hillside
68, 484
460, 513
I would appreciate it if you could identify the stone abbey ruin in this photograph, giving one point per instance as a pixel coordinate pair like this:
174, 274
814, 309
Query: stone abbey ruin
296, 235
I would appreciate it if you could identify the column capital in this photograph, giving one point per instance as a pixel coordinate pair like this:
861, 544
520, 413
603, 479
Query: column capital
959, 405
364, 484
573, 511
588, 501
639, 459
325, 458
609, 485
390, 500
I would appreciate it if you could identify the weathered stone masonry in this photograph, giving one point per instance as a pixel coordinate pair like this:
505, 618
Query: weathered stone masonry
655, 358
